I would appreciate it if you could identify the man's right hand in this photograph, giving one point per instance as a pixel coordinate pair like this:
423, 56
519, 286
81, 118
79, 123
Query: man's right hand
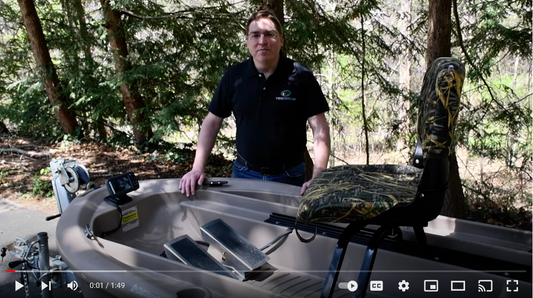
206, 141
189, 181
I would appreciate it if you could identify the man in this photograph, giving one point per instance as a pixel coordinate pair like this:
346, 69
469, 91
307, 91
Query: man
272, 98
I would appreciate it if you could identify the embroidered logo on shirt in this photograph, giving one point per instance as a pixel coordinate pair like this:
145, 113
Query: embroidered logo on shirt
285, 95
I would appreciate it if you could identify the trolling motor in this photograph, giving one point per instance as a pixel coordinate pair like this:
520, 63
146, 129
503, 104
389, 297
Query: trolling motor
68, 176
32, 256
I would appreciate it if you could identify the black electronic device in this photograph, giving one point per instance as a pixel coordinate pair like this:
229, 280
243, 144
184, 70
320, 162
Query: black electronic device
118, 186
215, 183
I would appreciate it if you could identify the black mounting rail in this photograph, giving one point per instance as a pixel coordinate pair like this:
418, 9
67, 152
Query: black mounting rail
395, 243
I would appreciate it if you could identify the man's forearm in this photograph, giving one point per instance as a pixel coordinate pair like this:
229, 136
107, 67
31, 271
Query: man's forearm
321, 149
206, 142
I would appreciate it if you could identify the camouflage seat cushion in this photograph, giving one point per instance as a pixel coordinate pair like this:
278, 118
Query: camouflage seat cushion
353, 193
356, 192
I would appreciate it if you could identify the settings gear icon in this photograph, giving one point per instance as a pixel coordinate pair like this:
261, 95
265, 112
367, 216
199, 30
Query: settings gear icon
403, 285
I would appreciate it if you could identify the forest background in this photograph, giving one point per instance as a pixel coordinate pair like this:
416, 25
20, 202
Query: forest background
124, 85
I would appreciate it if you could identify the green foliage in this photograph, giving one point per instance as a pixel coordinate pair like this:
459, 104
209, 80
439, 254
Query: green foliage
42, 187
179, 51
494, 28
170, 155
29, 110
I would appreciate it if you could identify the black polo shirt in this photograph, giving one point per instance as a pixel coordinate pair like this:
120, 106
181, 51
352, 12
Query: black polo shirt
271, 114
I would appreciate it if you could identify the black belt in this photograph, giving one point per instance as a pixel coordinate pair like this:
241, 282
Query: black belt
266, 171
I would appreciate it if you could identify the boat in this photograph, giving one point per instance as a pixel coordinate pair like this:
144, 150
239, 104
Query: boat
235, 238
245, 238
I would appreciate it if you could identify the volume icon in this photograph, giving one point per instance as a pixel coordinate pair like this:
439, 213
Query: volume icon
73, 285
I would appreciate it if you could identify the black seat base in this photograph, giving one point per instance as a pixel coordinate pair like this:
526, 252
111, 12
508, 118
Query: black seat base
394, 241
368, 259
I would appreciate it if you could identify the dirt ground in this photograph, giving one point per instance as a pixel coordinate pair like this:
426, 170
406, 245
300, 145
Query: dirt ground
25, 181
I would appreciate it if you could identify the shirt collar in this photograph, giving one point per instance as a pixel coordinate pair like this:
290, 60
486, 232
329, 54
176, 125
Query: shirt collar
284, 64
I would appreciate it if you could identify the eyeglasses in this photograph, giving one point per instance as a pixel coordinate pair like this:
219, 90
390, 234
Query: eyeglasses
268, 35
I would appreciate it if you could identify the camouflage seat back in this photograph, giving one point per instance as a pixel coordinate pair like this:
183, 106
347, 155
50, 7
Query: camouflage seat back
439, 105
355, 192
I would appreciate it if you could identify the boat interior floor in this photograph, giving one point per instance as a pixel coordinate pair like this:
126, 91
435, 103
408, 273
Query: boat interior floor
281, 264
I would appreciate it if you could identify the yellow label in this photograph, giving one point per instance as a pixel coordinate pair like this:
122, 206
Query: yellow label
130, 219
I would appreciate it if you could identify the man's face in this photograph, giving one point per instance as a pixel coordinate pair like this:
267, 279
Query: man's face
264, 41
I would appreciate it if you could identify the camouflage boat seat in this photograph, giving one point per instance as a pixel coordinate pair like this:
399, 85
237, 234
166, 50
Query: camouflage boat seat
391, 196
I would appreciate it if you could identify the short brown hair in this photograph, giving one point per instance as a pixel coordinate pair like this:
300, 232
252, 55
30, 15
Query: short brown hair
264, 14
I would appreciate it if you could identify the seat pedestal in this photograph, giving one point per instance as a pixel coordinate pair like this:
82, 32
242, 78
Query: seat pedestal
369, 258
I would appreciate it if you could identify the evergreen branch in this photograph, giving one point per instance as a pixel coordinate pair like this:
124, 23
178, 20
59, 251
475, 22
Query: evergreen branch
181, 14
461, 44
323, 16
175, 14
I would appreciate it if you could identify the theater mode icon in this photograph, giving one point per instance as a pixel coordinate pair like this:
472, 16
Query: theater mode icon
458, 286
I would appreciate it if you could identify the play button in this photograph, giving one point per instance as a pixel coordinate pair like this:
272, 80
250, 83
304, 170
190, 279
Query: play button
352, 286
18, 285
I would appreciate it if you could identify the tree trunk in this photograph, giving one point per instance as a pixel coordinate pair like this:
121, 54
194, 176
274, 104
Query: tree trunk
438, 45
439, 30
46, 68
3, 128
455, 202
276, 7
132, 102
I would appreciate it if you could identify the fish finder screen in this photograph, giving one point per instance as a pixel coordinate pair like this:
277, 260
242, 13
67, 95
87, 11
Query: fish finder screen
122, 184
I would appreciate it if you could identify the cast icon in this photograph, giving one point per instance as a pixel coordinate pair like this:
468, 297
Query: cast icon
484, 285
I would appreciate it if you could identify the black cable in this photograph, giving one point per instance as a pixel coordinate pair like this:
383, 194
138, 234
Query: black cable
286, 233
113, 201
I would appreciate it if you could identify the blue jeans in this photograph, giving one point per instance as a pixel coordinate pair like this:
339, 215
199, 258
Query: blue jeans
293, 176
